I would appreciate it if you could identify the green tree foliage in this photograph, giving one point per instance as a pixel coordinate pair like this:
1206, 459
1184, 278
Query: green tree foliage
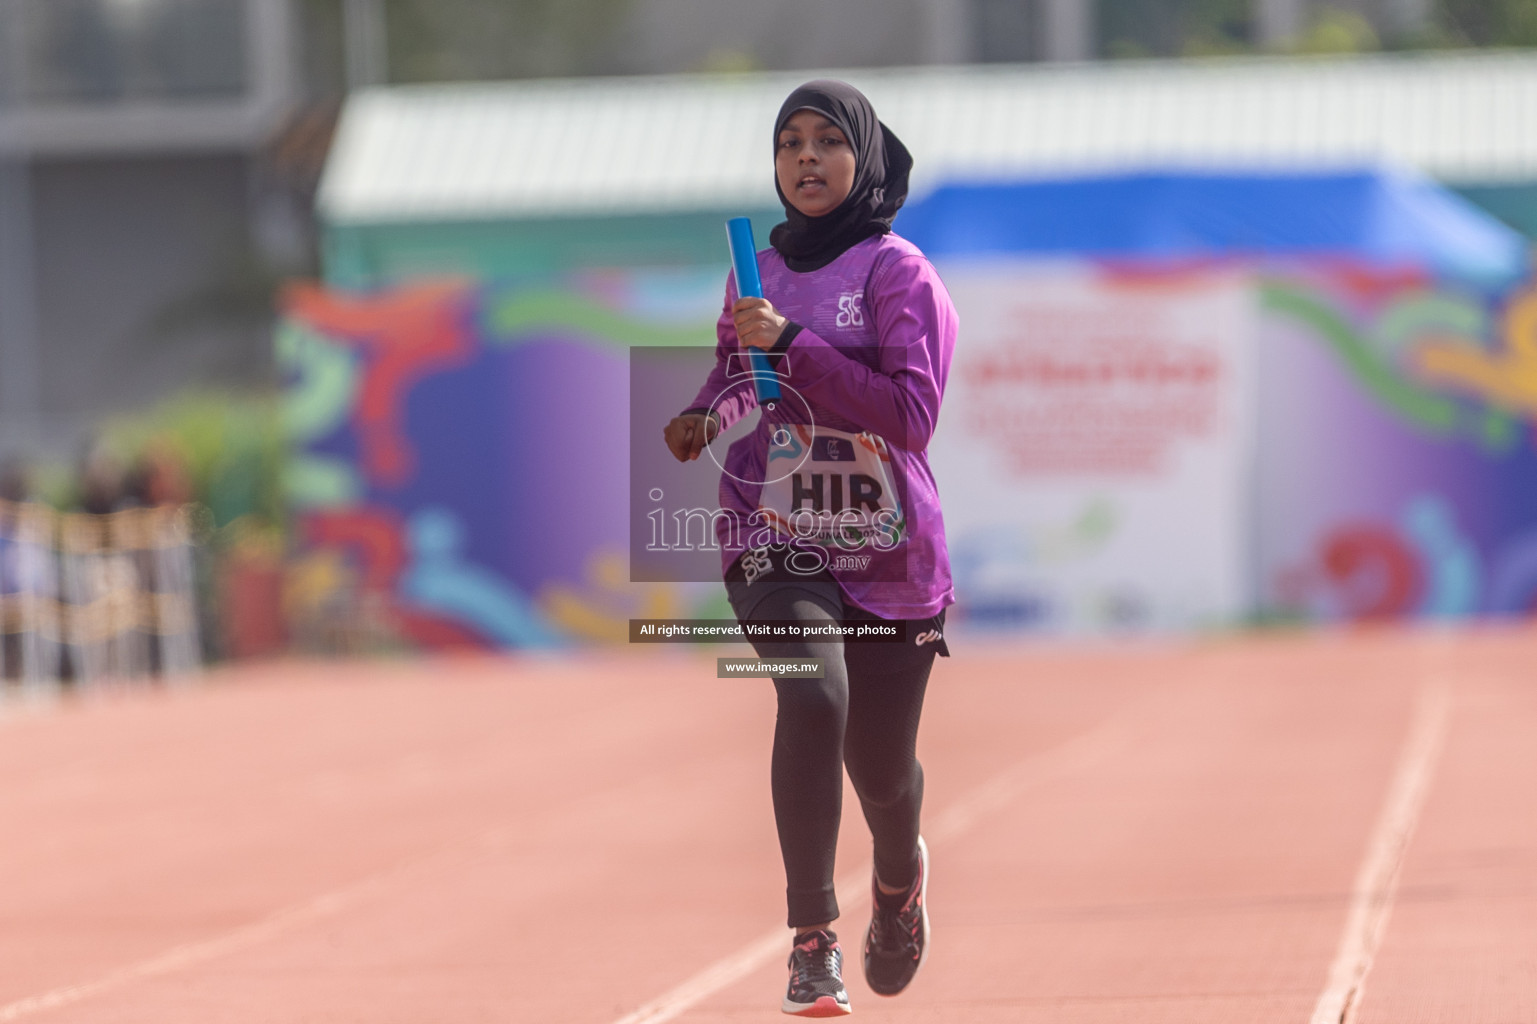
466, 40
1170, 28
232, 445
469, 39
1488, 22
1337, 31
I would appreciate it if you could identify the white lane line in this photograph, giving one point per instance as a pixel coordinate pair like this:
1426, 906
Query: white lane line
1376, 884
853, 889
192, 953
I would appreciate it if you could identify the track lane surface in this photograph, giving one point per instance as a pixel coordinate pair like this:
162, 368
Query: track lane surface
1157, 832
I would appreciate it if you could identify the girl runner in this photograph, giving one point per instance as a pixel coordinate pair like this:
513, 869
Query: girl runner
834, 519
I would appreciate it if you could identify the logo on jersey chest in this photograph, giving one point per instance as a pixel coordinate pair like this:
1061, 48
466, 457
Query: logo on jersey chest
851, 311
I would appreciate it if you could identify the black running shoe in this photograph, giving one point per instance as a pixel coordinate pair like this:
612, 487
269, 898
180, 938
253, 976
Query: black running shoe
898, 940
816, 977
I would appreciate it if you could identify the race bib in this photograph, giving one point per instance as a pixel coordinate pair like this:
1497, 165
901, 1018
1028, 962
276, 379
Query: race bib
831, 488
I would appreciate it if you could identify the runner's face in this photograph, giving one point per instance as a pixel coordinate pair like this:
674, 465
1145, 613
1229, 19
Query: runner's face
814, 162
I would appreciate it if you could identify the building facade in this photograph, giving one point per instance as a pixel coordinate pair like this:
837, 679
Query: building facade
137, 224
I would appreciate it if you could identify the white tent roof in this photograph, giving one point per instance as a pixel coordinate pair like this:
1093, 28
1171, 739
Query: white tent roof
630, 145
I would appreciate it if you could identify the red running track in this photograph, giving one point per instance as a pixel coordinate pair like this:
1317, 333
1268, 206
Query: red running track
1288, 829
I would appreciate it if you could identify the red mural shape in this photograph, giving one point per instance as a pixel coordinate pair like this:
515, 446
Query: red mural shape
1374, 572
436, 633
406, 334
377, 542
373, 535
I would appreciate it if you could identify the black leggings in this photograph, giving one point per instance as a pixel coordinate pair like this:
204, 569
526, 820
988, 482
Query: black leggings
863, 715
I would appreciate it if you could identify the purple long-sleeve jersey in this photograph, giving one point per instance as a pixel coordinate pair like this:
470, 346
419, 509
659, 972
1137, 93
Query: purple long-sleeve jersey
868, 368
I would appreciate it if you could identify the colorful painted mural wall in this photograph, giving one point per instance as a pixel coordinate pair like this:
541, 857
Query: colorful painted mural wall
461, 465
1397, 471
462, 462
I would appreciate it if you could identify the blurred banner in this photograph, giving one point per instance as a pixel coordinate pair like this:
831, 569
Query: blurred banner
1095, 445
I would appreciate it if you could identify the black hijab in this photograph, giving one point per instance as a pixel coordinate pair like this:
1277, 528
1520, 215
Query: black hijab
881, 165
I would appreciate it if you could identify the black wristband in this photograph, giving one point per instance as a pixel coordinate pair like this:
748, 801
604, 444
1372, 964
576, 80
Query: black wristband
776, 354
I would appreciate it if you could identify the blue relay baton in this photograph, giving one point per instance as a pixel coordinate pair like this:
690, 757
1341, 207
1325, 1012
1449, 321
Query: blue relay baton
744, 260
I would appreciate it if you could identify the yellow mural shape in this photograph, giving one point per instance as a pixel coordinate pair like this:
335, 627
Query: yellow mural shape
1505, 377
601, 611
